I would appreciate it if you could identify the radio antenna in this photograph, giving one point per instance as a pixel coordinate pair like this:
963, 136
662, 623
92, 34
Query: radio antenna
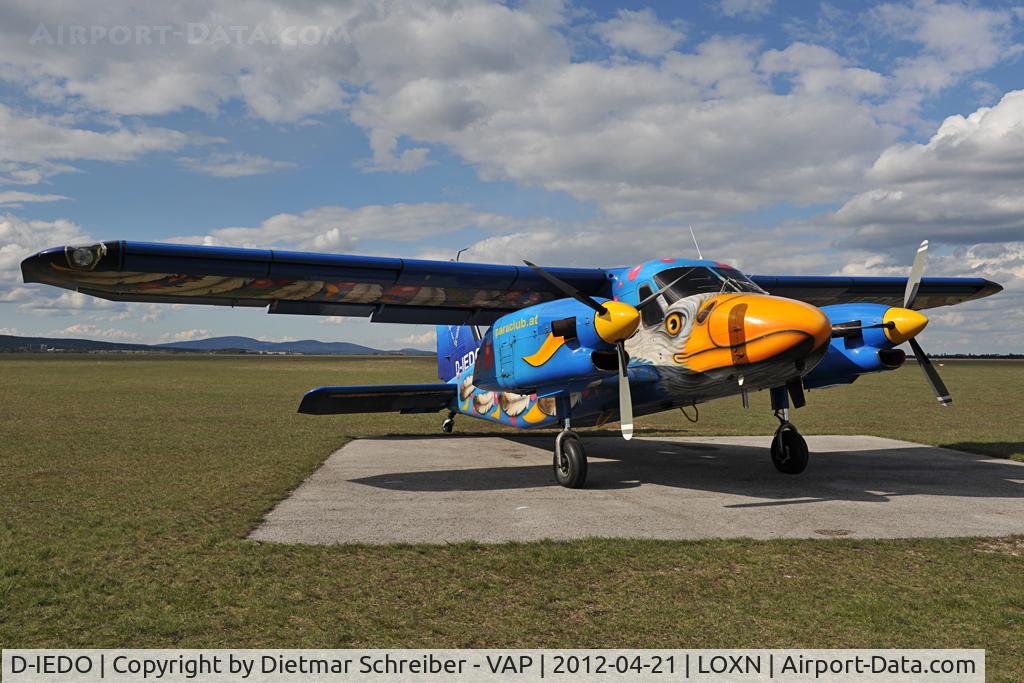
699, 255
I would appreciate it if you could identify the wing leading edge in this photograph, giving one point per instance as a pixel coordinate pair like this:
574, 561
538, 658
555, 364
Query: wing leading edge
392, 290
829, 290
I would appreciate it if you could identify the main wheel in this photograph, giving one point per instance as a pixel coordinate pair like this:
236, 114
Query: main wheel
570, 461
448, 425
789, 450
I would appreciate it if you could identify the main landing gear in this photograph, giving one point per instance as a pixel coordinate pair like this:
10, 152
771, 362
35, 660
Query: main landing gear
789, 449
449, 422
570, 462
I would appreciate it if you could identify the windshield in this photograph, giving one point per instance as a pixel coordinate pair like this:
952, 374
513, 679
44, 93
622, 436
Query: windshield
700, 279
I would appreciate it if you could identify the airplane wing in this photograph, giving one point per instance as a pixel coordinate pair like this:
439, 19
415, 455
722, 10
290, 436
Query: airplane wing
393, 290
401, 398
828, 290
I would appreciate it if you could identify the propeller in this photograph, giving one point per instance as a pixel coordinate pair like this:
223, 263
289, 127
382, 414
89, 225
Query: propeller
621, 321
913, 286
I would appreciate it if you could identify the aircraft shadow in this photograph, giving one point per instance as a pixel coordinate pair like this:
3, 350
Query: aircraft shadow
867, 476
996, 448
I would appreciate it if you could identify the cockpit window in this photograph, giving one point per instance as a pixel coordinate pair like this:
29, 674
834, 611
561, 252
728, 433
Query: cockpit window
651, 314
701, 279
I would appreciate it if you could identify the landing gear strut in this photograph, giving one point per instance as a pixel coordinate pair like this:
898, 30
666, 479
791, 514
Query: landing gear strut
570, 462
449, 422
789, 449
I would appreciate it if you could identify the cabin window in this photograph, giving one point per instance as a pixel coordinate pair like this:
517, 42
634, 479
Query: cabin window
651, 314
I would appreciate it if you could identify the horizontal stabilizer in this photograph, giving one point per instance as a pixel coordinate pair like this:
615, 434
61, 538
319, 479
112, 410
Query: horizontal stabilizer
386, 398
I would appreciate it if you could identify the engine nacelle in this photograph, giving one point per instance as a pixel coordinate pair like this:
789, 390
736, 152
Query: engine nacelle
858, 351
553, 344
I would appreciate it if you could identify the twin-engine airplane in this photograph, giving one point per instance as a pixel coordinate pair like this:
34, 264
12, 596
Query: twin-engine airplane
565, 346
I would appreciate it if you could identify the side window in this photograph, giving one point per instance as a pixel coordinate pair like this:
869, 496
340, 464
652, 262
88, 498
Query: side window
652, 314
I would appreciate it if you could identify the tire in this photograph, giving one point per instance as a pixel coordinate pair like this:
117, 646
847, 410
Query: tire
570, 462
789, 450
448, 425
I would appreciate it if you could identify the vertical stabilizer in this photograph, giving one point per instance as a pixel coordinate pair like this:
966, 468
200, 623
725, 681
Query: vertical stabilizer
456, 350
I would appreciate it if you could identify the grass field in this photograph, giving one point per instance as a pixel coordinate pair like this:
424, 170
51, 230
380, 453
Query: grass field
128, 484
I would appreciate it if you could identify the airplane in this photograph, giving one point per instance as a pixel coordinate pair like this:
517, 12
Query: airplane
533, 347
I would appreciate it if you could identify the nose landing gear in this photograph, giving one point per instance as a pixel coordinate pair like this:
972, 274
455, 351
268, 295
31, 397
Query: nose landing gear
789, 448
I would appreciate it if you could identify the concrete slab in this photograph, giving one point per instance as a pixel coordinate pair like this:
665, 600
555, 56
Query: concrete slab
494, 489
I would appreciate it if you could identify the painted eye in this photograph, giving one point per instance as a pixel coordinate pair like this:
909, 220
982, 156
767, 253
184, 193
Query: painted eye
674, 323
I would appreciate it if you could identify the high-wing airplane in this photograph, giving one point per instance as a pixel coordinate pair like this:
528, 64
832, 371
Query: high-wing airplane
562, 346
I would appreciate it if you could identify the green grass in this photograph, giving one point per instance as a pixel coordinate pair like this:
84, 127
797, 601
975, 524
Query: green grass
128, 484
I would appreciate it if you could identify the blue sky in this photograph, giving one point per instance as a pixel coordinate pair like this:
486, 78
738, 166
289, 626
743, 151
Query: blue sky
795, 137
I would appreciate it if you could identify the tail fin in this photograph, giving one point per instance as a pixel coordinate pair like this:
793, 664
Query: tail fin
456, 350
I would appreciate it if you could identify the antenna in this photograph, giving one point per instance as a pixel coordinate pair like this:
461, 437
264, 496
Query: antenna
699, 255
459, 253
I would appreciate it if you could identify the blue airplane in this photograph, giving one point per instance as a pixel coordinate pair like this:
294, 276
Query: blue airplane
531, 347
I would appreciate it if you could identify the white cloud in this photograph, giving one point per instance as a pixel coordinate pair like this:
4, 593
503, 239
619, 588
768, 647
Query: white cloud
15, 198
234, 164
669, 138
652, 141
34, 147
90, 331
10, 331
641, 32
962, 186
384, 143
816, 69
333, 320
339, 229
268, 62
953, 40
147, 313
749, 8
425, 340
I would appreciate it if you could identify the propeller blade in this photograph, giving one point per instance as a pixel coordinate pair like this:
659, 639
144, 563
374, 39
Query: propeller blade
625, 400
566, 288
916, 271
941, 392
650, 299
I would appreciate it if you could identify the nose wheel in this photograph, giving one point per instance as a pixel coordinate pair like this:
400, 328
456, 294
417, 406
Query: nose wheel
789, 450
570, 462
449, 423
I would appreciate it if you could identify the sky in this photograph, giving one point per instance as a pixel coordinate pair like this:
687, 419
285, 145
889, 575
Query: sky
794, 137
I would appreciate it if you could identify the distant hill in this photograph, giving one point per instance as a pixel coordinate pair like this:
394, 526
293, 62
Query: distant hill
10, 343
307, 346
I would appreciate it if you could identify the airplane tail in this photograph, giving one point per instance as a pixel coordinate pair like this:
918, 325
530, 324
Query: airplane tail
456, 350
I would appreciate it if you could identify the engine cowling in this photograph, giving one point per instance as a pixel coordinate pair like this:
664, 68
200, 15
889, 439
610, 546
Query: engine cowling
864, 341
555, 344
